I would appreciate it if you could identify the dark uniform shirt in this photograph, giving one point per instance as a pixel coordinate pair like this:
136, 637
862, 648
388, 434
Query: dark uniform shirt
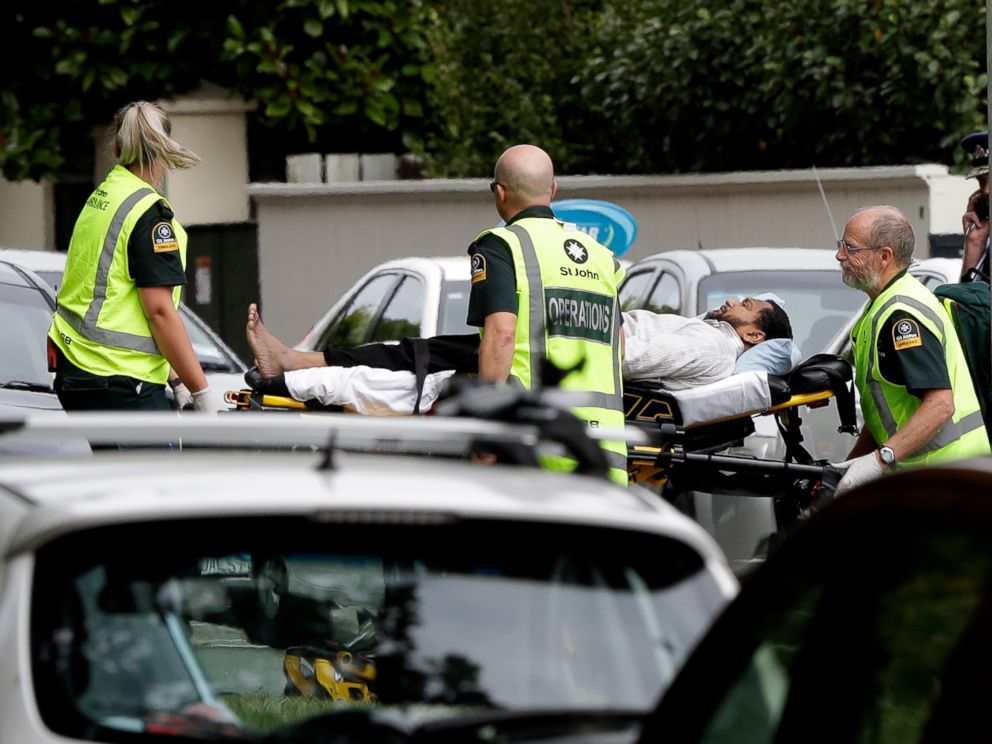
494, 283
153, 249
910, 355
980, 273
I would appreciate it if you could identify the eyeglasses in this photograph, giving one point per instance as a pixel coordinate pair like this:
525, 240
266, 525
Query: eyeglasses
851, 249
493, 184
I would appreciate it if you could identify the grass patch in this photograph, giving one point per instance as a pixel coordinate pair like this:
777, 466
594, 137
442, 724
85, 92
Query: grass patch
265, 713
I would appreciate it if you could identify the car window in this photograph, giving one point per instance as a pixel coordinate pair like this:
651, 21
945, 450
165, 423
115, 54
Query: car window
350, 328
666, 296
27, 316
402, 314
818, 302
259, 624
54, 278
633, 289
895, 654
454, 308
212, 357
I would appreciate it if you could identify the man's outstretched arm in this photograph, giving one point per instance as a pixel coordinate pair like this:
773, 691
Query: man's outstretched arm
496, 347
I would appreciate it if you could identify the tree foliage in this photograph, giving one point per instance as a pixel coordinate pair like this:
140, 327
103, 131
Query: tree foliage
656, 86
696, 85
502, 74
618, 86
314, 65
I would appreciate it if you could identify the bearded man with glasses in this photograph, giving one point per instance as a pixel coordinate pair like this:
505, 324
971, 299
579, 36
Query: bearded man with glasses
917, 397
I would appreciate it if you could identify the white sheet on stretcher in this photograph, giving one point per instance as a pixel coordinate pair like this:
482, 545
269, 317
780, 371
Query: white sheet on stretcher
736, 395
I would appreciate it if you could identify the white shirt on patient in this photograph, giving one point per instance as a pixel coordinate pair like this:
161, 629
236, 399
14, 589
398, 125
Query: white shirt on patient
673, 352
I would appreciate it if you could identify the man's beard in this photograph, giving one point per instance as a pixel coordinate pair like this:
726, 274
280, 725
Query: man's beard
862, 278
720, 313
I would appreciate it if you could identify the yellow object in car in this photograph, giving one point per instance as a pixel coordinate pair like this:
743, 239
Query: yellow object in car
338, 675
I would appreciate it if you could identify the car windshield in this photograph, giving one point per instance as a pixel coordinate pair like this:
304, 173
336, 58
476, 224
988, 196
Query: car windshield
454, 308
251, 627
818, 302
27, 316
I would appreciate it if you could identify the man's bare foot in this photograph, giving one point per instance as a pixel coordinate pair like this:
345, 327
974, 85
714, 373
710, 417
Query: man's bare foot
269, 351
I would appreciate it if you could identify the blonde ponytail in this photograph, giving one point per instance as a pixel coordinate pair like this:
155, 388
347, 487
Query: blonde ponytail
143, 134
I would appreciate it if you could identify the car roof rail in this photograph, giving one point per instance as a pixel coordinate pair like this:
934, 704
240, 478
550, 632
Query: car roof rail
519, 443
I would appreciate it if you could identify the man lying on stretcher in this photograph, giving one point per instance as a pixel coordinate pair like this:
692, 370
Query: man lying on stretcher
660, 350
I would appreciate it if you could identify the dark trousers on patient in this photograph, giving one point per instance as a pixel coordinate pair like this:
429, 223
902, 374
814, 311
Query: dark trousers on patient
455, 352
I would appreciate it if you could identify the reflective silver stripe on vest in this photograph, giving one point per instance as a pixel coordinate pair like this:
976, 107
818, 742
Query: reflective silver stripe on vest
538, 348
535, 285
951, 431
579, 398
617, 398
615, 460
86, 326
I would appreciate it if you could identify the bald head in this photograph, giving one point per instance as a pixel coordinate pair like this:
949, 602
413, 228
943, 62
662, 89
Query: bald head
527, 175
885, 225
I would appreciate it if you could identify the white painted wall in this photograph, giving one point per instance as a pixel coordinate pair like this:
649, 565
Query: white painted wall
315, 240
27, 218
212, 125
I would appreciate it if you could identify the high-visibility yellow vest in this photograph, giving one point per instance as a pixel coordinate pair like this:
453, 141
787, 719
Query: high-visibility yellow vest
568, 311
100, 324
887, 406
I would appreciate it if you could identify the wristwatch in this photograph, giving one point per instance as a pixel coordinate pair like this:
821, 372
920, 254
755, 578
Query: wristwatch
887, 456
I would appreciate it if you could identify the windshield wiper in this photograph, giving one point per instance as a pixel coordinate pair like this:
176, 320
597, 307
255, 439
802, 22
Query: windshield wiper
508, 725
34, 387
360, 726
207, 366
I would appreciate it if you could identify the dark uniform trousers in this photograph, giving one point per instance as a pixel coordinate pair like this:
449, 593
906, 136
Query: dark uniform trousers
79, 390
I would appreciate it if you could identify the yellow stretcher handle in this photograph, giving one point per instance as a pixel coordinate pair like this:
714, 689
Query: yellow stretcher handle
242, 399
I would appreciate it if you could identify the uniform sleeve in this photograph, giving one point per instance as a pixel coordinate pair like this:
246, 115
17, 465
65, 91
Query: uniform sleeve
910, 355
153, 250
494, 283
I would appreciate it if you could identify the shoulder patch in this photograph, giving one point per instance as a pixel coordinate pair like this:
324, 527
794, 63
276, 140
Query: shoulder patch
906, 334
163, 238
478, 268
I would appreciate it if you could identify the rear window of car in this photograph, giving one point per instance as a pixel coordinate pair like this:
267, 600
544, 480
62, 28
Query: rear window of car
454, 308
248, 626
818, 302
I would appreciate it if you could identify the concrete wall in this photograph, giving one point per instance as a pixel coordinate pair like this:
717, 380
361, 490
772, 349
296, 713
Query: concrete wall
314, 241
27, 215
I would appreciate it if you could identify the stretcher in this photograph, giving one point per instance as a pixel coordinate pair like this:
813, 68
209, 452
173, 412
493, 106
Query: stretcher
692, 430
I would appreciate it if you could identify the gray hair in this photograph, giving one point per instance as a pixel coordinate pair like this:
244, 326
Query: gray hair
143, 134
889, 226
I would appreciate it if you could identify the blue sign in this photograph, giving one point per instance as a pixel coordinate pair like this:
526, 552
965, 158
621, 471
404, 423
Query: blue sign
607, 223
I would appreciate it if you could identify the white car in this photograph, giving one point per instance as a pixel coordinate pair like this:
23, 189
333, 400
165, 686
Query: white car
222, 366
425, 594
405, 298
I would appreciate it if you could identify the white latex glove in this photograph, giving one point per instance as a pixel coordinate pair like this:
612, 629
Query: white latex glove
859, 470
208, 401
182, 397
